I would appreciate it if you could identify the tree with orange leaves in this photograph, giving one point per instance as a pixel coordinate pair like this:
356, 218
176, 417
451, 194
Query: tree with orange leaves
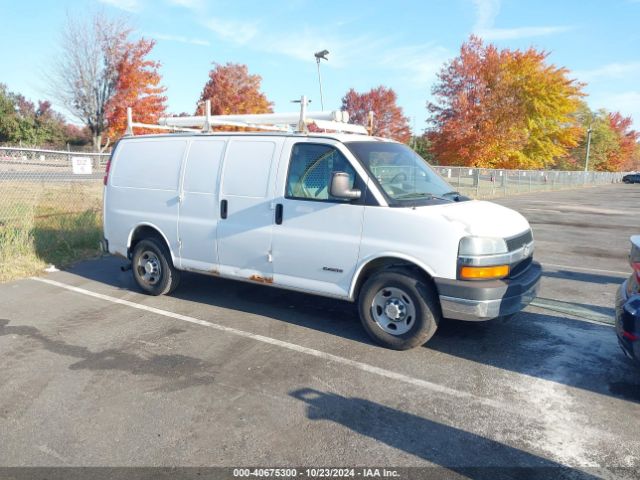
624, 157
503, 108
232, 90
388, 119
138, 87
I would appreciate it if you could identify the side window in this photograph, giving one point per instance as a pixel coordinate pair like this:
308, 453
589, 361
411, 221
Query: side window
310, 171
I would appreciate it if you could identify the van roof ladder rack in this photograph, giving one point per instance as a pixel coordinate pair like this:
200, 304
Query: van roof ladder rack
335, 120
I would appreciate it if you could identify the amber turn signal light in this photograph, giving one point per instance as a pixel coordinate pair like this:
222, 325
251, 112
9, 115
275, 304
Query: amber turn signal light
484, 273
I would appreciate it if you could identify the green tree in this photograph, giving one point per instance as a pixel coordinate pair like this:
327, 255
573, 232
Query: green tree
605, 149
21, 121
422, 147
10, 128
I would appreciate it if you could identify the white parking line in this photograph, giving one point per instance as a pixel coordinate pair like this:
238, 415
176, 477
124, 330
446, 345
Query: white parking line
280, 343
582, 269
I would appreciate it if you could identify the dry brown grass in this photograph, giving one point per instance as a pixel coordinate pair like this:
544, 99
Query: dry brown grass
47, 223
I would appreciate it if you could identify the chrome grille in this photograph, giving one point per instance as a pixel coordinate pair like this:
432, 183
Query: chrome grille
514, 243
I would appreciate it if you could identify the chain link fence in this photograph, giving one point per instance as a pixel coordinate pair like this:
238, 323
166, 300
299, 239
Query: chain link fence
43, 183
491, 183
40, 183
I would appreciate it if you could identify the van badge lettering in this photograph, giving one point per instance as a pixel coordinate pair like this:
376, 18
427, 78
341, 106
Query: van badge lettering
331, 269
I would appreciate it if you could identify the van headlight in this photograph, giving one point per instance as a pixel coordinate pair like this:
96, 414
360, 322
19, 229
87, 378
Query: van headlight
474, 246
482, 258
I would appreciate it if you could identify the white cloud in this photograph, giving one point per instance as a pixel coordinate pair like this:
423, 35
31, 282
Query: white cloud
610, 71
486, 14
421, 62
299, 45
126, 5
189, 4
415, 64
233, 31
521, 32
180, 39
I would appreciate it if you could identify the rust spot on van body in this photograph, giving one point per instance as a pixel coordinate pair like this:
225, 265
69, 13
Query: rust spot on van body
214, 272
259, 279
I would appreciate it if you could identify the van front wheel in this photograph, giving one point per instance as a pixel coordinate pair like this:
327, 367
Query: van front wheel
398, 309
152, 267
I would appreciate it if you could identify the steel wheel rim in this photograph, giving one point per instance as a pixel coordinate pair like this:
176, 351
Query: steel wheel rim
393, 310
149, 268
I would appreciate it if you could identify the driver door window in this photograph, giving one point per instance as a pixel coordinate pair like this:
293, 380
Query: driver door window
310, 172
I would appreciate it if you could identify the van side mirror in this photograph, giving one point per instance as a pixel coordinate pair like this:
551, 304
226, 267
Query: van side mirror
340, 187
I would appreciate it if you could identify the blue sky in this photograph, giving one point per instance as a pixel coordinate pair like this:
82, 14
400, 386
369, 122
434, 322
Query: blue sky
400, 44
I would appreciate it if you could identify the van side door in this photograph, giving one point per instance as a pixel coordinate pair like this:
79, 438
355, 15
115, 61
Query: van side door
199, 213
246, 207
316, 238
144, 188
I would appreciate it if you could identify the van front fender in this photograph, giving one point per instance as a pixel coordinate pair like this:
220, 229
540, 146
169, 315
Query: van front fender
384, 260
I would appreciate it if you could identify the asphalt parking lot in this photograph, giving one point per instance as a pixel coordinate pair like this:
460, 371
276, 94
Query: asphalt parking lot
231, 374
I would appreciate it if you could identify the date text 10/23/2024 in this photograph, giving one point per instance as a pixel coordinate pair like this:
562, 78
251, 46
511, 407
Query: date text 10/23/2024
315, 472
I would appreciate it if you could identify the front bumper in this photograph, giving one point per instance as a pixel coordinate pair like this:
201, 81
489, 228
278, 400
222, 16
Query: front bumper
484, 300
627, 322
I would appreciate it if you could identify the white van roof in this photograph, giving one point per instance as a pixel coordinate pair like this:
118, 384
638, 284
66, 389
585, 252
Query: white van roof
340, 137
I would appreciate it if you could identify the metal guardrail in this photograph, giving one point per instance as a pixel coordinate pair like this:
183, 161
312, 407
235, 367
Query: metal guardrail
36, 183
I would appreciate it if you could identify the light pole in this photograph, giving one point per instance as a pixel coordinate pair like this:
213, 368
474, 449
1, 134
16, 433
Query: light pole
321, 55
586, 160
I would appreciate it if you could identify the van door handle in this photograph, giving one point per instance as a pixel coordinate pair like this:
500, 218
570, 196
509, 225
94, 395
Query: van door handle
223, 209
279, 210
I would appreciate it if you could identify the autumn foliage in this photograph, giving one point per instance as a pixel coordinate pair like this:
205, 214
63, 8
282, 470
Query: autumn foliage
624, 158
388, 118
138, 87
232, 90
503, 108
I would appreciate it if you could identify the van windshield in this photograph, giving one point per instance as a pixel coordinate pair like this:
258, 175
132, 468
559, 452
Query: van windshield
403, 175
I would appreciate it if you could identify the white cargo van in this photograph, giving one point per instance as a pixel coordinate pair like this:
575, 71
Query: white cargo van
340, 215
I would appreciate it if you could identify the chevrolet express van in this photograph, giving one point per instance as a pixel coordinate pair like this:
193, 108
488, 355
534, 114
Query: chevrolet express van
348, 216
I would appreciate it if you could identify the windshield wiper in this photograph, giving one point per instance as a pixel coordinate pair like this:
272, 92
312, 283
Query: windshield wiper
422, 195
407, 196
452, 192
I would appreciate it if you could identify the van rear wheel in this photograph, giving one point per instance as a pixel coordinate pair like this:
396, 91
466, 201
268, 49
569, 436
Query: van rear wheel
398, 309
152, 267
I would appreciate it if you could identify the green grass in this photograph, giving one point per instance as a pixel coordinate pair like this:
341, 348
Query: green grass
43, 224
27, 247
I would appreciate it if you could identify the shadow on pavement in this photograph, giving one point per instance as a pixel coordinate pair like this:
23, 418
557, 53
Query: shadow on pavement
584, 277
328, 315
179, 371
463, 452
551, 347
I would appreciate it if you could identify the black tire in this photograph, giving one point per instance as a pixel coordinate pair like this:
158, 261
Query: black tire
167, 278
420, 297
